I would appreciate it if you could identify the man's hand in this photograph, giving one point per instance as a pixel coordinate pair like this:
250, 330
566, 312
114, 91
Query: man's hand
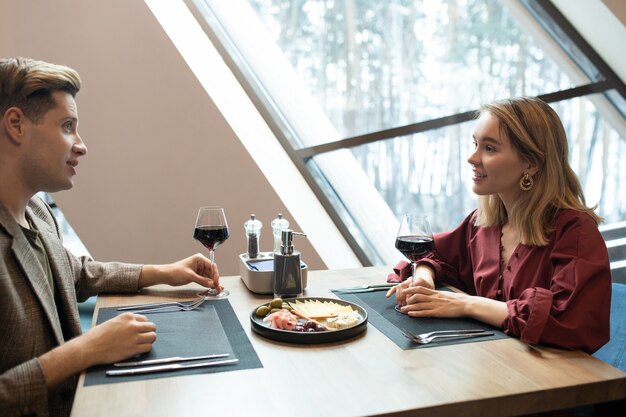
112, 341
197, 268
119, 338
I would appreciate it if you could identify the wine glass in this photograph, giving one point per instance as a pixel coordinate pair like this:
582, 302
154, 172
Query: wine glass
415, 239
211, 230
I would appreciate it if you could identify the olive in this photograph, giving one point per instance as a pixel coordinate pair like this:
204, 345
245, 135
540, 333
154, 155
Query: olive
309, 324
274, 310
276, 303
262, 311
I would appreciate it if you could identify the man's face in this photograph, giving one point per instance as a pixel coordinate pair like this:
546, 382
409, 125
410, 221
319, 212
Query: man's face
53, 147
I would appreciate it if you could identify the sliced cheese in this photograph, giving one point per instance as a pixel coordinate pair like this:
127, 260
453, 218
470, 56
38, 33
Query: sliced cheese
317, 308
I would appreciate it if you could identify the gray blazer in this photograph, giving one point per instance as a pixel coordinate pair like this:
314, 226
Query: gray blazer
31, 323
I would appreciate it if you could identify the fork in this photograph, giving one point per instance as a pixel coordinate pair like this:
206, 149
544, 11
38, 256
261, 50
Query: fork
190, 307
427, 340
438, 332
156, 305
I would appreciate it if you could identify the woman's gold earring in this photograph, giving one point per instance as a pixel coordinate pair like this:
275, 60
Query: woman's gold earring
526, 183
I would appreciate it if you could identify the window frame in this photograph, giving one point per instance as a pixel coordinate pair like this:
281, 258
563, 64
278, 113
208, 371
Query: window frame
610, 88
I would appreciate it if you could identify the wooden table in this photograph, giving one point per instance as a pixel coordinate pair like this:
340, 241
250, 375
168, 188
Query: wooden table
369, 375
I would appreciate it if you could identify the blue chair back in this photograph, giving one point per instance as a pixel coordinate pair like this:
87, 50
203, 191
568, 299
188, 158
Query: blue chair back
614, 352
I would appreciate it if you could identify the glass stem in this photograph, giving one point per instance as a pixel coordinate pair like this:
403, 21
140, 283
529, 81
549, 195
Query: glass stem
212, 291
413, 269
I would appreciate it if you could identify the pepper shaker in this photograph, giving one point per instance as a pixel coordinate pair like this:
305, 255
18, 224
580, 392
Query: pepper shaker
253, 232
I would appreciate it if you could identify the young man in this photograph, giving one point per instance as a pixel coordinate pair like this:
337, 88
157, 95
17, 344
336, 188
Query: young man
41, 346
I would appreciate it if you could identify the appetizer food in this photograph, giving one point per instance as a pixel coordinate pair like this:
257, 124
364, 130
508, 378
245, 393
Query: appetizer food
343, 320
307, 315
282, 319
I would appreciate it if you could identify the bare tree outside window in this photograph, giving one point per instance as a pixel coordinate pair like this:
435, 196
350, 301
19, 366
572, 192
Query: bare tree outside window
374, 65
331, 71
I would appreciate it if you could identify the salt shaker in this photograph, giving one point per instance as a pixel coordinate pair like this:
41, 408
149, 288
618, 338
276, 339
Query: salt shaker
253, 232
278, 225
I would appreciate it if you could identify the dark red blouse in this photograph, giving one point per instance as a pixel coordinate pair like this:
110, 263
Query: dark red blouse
559, 294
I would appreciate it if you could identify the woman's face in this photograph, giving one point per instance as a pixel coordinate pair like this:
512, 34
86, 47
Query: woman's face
496, 164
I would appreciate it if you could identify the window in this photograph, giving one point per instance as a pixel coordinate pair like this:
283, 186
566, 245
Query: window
372, 100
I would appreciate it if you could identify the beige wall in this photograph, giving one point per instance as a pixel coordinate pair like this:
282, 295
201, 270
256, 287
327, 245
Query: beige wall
158, 146
618, 8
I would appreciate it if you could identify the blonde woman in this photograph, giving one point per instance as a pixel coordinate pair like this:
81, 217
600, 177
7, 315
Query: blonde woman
530, 258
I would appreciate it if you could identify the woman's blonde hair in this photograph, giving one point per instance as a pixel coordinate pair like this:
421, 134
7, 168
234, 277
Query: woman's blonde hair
536, 132
28, 85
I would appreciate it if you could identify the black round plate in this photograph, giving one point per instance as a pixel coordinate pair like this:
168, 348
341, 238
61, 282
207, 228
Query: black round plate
289, 336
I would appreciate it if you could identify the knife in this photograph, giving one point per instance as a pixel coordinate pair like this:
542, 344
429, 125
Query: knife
366, 287
170, 360
359, 290
168, 367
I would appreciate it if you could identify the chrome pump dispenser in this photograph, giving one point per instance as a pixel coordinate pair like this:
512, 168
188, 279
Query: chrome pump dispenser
287, 273
278, 225
253, 232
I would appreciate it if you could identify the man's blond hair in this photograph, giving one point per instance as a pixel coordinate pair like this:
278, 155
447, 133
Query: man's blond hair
28, 85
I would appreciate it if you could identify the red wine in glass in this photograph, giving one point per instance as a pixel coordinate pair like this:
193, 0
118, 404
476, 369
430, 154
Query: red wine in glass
415, 247
415, 239
211, 230
211, 236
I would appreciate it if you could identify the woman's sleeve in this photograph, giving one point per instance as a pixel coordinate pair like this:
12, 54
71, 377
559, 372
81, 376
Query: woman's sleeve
574, 311
451, 260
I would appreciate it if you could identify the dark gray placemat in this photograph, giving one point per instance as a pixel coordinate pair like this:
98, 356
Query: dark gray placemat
383, 316
211, 328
